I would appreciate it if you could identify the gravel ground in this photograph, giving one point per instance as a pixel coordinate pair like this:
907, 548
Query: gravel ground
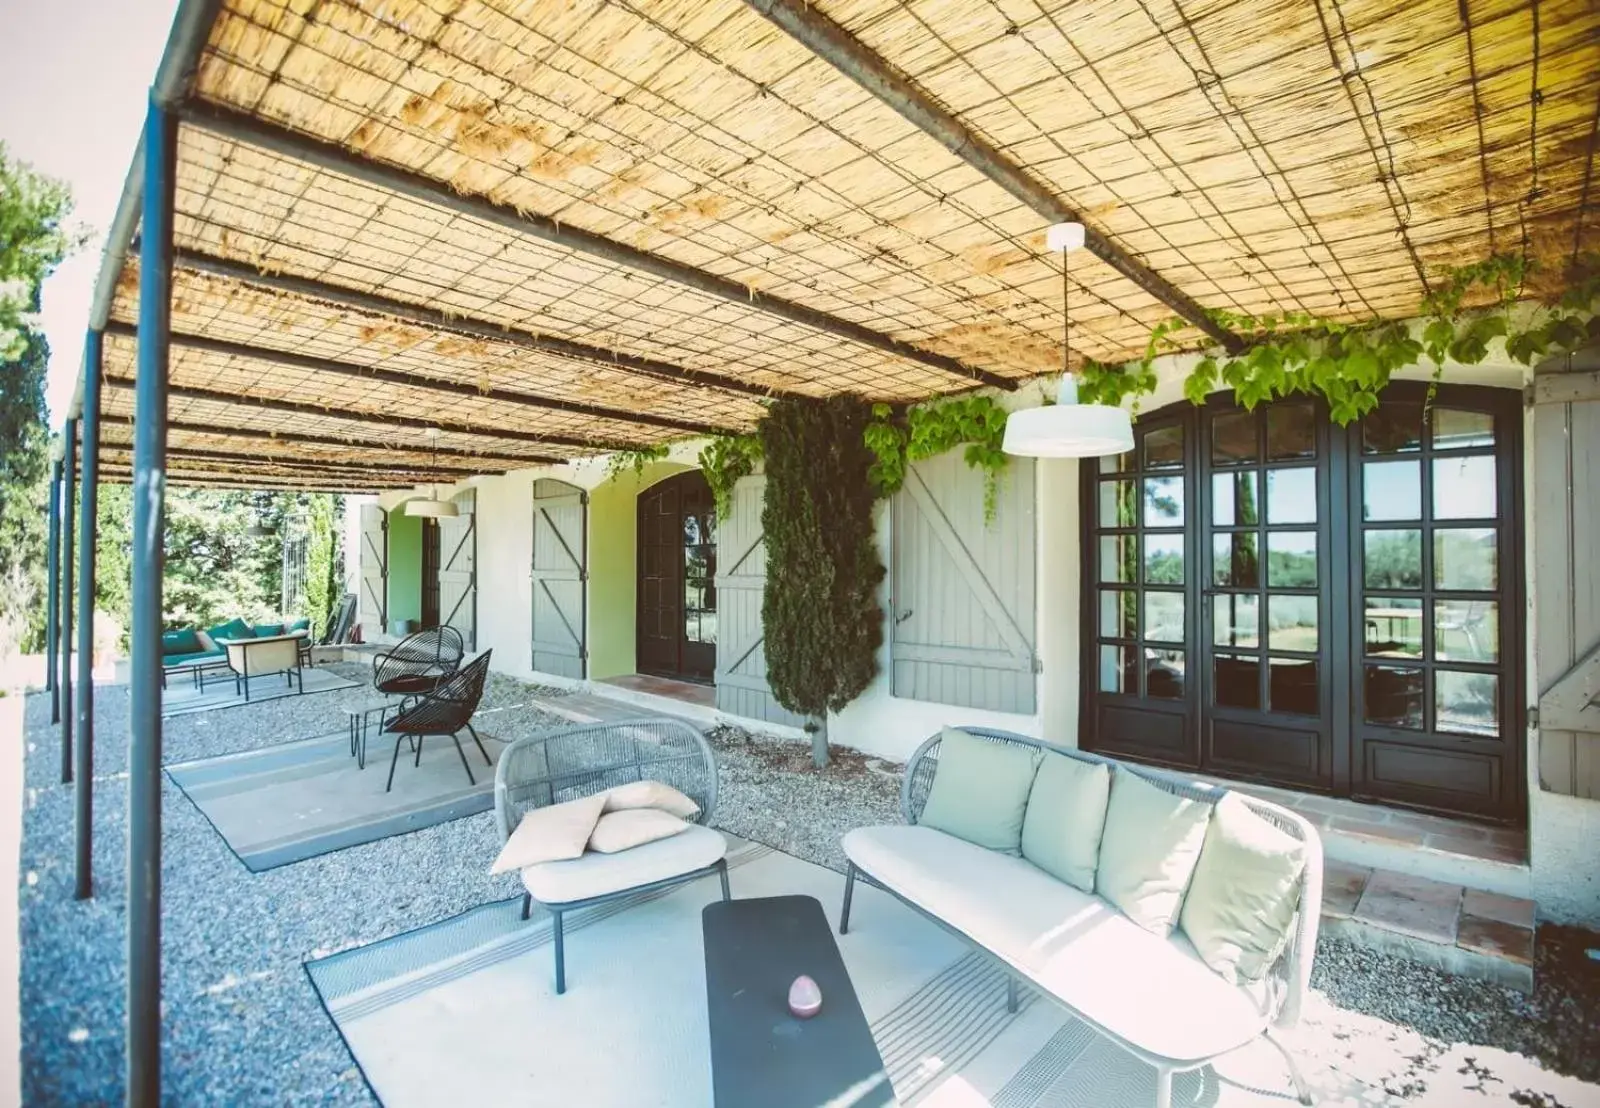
243, 1025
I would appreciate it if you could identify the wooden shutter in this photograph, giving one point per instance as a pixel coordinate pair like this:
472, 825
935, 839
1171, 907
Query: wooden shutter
458, 569
560, 578
741, 580
963, 594
373, 605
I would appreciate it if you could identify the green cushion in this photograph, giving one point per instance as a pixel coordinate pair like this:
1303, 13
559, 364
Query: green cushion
233, 629
196, 656
267, 630
180, 642
1149, 850
298, 625
1066, 815
980, 790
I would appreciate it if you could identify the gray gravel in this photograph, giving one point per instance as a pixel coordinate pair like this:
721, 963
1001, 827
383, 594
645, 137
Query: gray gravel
243, 1025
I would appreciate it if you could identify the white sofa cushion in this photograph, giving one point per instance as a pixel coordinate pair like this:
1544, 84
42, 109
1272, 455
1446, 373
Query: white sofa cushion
1150, 992
651, 794
633, 827
600, 874
550, 833
1241, 905
1149, 850
1065, 818
980, 790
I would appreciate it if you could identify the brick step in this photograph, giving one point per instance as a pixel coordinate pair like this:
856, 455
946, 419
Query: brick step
1465, 931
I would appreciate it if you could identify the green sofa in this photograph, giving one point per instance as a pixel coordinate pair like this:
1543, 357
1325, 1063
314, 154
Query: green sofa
197, 652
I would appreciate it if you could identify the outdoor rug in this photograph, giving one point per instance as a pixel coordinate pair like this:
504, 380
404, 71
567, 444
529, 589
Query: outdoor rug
181, 697
464, 1011
282, 804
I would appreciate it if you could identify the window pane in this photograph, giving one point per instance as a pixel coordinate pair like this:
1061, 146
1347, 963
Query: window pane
1163, 501
1163, 448
1233, 560
1118, 670
1393, 696
1292, 623
1116, 463
1119, 557
1391, 490
1119, 504
1393, 626
1238, 681
1465, 558
1163, 674
1292, 495
1466, 630
1394, 427
1233, 438
1236, 620
1393, 559
1291, 431
1292, 559
691, 626
1467, 703
1292, 686
1233, 499
1119, 613
1163, 616
1463, 488
1454, 428
1163, 559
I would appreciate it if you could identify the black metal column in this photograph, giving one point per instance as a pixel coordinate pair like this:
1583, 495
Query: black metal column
149, 522
69, 470
52, 611
88, 533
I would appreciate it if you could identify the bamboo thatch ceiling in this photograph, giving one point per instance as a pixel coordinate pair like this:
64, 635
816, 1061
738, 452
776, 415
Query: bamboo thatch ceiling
1258, 155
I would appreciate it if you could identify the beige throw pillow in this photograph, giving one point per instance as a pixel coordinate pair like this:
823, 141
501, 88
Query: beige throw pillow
650, 794
1149, 850
633, 827
550, 834
1246, 888
980, 790
1065, 818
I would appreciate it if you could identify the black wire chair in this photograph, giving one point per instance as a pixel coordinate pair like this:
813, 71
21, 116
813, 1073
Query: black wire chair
444, 711
421, 662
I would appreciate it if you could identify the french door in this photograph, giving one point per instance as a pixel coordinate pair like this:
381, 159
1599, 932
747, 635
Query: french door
1272, 597
677, 564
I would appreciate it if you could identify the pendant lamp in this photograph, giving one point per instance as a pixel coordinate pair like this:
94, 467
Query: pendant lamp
1067, 429
433, 507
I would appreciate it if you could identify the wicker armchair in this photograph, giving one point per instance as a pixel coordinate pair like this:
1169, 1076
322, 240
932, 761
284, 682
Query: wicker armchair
575, 762
444, 711
420, 662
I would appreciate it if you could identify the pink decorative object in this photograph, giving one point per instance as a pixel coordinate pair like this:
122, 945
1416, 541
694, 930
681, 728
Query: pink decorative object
805, 998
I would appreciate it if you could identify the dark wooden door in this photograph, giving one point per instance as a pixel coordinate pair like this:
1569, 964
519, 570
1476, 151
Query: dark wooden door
677, 609
430, 572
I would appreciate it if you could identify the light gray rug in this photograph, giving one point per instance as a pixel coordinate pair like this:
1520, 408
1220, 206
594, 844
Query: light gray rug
181, 697
464, 1011
285, 803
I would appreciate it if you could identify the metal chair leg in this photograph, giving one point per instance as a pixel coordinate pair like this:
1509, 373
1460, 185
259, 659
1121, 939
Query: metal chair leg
394, 761
1302, 1091
849, 891
722, 872
455, 738
527, 904
488, 761
417, 761
1163, 1087
561, 954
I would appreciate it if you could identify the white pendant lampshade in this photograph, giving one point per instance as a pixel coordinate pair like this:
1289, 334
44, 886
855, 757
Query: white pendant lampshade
1067, 429
433, 507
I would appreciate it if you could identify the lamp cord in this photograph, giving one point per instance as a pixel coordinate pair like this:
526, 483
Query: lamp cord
1065, 312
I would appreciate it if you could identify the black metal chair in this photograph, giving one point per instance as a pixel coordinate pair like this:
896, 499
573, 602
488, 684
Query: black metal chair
444, 711
421, 662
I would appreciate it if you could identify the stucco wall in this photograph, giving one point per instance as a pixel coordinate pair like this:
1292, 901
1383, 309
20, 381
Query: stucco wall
405, 566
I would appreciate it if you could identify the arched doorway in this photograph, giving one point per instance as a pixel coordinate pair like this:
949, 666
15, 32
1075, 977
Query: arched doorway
677, 565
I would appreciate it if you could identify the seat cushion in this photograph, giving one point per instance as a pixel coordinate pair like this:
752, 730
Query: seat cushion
171, 661
980, 790
1149, 850
1152, 992
1065, 818
601, 874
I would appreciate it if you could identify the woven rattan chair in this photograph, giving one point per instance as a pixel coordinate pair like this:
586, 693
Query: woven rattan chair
574, 762
447, 710
420, 662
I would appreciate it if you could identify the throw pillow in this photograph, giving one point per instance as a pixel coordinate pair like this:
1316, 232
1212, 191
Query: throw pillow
980, 790
633, 827
298, 625
1246, 888
233, 629
1065, 818
1149, 850
650, 794
180, 642
267, 630
551, 834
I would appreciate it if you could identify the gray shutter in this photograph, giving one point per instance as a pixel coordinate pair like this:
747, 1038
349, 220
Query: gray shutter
963, 589
372, 609
458, 569
742, 688
560, 578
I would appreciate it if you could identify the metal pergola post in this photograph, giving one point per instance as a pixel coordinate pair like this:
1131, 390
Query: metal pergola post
149, 522
69, 469
88, 534
52, 626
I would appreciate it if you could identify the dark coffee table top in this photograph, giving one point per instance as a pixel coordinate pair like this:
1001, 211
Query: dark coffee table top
761, 1056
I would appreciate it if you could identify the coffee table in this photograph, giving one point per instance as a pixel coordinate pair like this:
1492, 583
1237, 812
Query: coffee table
761, 1056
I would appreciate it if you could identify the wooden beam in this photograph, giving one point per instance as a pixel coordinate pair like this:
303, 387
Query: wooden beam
239, 463
1566, 388
422, 468
336, 159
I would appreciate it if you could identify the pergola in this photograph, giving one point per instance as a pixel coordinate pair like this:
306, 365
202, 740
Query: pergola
544, 229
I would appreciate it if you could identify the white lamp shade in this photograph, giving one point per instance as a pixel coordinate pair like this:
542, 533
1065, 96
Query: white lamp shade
432, 509
1068, 431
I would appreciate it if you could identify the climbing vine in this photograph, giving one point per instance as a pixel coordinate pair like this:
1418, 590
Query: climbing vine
898, 438
624, 461
724, 460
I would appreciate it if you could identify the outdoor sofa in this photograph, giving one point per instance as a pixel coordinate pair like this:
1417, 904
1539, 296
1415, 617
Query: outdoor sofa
197, 653
1058, 840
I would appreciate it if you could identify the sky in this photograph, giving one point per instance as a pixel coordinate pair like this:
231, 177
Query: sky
72, 100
